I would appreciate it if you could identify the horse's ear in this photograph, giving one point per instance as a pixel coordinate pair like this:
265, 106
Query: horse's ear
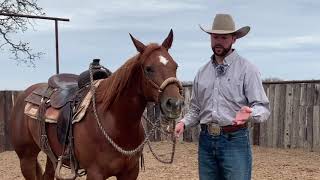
168, 41
139, 45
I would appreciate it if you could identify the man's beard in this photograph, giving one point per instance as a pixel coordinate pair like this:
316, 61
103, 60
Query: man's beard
224, 50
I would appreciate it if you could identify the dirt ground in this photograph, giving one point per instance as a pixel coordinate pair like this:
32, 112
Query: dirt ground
268, 164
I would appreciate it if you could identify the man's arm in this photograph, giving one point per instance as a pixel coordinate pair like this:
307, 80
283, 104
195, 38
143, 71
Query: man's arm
192, 116
257, 99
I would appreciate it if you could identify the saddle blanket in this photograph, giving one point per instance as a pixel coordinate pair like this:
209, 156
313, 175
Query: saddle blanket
52, 114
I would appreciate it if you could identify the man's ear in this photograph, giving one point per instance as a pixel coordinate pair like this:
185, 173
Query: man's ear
234, 39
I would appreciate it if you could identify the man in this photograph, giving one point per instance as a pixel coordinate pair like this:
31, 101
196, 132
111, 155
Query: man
227, 92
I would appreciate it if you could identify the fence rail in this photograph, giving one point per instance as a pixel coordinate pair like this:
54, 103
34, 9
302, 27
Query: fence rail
294, 120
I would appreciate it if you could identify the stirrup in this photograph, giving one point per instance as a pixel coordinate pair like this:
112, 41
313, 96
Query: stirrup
58, 174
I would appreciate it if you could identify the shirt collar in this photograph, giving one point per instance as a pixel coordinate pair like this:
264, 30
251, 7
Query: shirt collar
227, 60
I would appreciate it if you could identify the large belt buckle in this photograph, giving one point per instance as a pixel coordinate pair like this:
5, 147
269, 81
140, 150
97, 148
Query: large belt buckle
214, 129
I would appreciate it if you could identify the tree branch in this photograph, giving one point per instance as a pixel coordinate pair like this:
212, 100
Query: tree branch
21, 51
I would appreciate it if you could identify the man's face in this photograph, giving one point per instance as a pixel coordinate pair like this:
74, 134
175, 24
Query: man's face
222, 43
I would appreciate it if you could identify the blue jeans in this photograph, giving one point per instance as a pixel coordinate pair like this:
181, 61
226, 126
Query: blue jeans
226, 157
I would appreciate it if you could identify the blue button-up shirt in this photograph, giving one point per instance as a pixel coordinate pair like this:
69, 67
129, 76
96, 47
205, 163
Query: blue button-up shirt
217, 97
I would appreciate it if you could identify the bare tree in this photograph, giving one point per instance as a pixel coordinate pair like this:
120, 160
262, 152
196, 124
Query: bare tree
21, 51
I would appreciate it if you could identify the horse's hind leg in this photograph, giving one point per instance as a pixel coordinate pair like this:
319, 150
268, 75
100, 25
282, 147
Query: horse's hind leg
22, 139
29, 164
49, 172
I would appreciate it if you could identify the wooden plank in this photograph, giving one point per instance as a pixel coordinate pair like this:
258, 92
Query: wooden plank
258, 128
288, 116
12, 96
303, 94
2, 122
302, 138
295, 116
317, 95
272, 125
188, 135
194, 132
281, 116
309, 120
316, 129
310, 94
275, 116
263, 126
8, 108
158, 135
309, 126
150, 116
256, 134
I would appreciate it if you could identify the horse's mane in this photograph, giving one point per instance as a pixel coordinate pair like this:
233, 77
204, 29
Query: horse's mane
111, 88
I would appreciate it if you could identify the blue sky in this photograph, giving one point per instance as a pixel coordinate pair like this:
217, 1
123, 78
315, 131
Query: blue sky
283, 42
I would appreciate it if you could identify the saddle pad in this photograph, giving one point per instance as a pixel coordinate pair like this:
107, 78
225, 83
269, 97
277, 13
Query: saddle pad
52, 114
36, 95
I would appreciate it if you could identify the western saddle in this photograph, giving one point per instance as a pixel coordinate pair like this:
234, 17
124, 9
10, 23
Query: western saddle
63, 93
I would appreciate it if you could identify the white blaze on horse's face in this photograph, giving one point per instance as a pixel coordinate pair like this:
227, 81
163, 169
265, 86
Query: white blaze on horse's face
163, 60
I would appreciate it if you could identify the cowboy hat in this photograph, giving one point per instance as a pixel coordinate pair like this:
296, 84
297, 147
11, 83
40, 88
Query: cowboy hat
224, 24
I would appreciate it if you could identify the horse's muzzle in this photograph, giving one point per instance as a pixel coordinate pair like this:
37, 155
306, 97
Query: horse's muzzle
171, 107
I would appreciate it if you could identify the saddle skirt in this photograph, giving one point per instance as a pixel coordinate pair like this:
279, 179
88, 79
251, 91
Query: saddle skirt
52, 113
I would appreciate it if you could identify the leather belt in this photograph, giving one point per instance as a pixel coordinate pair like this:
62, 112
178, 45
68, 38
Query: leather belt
215, 129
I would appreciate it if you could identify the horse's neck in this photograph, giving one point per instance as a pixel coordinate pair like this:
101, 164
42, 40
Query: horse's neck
128, 108
125, 108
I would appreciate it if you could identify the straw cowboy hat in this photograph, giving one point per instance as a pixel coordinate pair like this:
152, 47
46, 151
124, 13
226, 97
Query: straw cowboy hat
224, 24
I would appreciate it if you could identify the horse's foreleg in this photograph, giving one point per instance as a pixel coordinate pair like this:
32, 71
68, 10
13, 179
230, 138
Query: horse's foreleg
49, 172
132, 174
93, 174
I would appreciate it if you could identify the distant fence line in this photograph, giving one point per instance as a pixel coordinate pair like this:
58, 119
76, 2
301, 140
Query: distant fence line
294, 120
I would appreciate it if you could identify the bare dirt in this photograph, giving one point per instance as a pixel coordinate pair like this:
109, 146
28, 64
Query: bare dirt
268, 164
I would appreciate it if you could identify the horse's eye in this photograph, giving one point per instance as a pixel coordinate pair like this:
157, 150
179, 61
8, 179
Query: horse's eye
149, 70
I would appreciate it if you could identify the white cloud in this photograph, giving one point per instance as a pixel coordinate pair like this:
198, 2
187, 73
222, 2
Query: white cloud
114, 14
282, 43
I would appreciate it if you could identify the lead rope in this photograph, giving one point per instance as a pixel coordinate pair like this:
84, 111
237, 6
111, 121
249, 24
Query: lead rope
166, 134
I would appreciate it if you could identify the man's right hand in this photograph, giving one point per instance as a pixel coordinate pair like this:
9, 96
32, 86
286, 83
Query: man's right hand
179, 129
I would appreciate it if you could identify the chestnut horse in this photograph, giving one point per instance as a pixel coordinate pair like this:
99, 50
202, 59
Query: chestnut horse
120, 101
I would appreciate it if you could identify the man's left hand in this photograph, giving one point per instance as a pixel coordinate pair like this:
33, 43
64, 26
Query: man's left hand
242, 116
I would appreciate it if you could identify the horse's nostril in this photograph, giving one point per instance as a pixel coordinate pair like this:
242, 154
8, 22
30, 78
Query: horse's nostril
169, 103
174, 103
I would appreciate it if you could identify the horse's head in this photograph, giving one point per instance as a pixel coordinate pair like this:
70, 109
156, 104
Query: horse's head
159, 83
